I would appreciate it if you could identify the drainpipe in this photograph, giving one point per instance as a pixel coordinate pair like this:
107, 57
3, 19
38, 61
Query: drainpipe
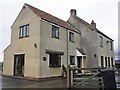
67, 45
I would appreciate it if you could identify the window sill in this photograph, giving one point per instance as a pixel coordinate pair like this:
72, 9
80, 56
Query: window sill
101, 46
54, 66
23, 37
72, 41
55, 37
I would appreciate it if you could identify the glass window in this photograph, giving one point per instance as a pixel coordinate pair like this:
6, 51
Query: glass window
24, 31
72, 60
102, 61
112, 62
106, 61
111, 46
71, 36
55, 32
101, 41
55, 60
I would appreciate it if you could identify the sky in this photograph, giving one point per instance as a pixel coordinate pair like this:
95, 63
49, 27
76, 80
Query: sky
103, 12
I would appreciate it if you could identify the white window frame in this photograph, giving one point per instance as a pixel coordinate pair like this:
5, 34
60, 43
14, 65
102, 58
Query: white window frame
24, 31
101, 41
71, 36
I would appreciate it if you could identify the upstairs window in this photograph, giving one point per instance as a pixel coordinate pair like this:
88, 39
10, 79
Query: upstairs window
111, 45
55, 32
24, 31
101, 41
71, 36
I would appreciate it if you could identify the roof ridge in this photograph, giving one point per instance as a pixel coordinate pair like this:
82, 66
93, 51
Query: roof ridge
97, 30
85, 22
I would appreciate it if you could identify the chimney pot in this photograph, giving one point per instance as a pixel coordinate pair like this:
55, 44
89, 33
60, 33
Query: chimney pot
73, 12
93, 24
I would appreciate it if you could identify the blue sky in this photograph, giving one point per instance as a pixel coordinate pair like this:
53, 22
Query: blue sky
103, 12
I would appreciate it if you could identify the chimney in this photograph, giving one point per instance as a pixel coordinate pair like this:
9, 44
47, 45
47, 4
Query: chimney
93, 24
73, 12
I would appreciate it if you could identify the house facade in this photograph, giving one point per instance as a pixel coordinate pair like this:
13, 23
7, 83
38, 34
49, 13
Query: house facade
42, 43
99, 47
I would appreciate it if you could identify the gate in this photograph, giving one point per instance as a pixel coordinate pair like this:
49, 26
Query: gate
96, 77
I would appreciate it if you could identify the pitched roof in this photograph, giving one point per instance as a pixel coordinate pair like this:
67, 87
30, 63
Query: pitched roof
82, 51
89, 25
48, 17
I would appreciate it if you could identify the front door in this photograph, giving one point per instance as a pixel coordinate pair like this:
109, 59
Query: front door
19, 65
79, 63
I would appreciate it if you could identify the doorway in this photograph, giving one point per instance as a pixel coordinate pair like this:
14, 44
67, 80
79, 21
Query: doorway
79, 63
19, 65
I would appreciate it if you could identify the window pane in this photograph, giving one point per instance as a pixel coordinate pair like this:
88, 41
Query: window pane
101, 41
27, 30
24, 31
102, 61
55, 32
72, 60
112, 62
20, 33
71, 36
106, 61
110, 45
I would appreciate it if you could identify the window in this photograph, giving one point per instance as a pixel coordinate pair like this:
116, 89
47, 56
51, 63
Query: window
55, 32
102, 61
111, 46
71, 36
112, 62
101, 41
106, 61
72, 60
55, 60
24, 31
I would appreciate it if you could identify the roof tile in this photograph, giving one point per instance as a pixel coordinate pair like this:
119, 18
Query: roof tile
52, 18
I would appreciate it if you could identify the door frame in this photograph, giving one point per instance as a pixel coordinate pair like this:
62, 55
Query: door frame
19, 59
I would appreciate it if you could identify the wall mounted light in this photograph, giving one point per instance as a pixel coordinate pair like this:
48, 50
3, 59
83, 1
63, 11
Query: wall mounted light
35, 45
95, 55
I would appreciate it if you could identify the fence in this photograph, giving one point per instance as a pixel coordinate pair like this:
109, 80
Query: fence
88, 75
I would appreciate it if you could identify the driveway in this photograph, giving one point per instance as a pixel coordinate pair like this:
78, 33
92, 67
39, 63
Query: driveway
10, 82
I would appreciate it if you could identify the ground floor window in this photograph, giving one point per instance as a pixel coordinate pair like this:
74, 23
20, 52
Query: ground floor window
72, 60
102, 61
112, 62
105, 61
108, 61
54, 60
